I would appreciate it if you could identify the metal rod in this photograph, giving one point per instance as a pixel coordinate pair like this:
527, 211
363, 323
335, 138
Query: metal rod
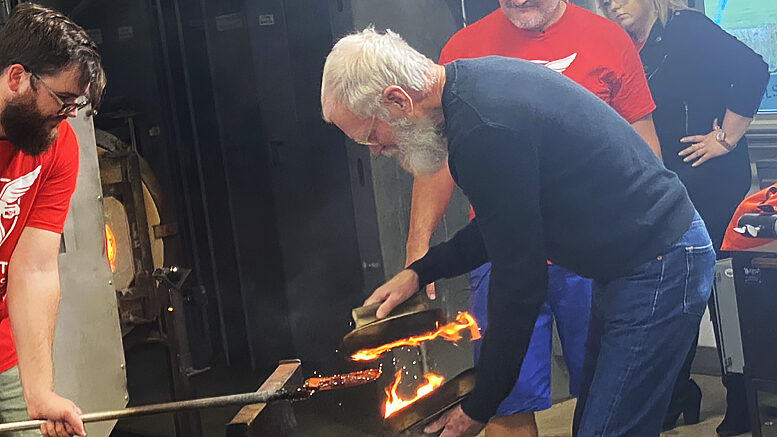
168, 407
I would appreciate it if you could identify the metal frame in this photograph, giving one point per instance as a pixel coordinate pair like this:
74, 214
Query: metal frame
129, 191
754, 273
729, 334
172, 326
88, 358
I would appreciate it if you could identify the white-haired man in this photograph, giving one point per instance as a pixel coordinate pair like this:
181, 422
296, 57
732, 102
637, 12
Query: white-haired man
552, 173
601, 57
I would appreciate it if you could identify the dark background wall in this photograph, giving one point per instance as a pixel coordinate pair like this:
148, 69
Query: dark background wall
286, 224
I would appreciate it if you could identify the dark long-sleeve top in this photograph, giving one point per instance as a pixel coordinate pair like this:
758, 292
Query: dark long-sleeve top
553, 173
695, 72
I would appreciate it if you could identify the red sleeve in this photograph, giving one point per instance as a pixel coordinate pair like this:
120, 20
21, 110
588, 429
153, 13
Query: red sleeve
53, 198
447, 54
459, 45
632, 97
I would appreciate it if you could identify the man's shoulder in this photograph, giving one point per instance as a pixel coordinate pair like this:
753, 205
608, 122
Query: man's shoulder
581, 14
487, 85
64, 150
66, 141
595, 28
494, 20
469, 38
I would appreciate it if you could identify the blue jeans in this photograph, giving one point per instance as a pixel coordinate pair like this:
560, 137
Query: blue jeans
642, 325
569, 302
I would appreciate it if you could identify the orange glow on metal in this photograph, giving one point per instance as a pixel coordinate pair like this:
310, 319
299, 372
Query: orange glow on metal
395, 403
110, 247
450, 332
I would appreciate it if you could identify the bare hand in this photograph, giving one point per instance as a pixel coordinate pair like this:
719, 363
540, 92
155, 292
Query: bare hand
456, 424
397, 290
430, 291
62, 415
705, 147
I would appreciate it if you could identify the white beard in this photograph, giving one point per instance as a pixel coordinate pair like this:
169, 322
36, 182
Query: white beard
421, 146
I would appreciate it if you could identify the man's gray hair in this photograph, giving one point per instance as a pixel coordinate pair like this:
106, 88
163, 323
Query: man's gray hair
361, 65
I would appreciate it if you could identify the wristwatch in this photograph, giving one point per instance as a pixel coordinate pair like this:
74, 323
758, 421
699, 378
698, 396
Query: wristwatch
720, 136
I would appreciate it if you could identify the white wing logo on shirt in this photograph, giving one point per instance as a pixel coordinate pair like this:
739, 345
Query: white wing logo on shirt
559, 65
9, 201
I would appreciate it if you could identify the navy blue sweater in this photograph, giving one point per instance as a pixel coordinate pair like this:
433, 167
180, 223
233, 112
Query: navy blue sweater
553, 173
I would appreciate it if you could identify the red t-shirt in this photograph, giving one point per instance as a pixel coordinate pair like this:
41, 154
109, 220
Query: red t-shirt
34, 191
589, 49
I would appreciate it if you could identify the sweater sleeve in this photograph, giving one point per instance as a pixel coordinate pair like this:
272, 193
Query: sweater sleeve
498, 169
461, 254
744, 69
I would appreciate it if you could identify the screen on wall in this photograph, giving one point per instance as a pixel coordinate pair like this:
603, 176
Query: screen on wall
753, 22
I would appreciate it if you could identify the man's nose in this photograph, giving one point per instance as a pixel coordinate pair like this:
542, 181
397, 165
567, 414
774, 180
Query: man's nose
71, 113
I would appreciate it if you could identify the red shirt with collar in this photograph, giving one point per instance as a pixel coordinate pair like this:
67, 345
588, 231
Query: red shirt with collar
34, 191
589, 49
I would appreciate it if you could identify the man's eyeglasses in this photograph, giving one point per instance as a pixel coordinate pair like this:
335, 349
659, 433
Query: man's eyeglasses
65, 108
366, 141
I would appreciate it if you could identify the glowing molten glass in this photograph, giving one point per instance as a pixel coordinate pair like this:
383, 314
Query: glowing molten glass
110, 247
395, 403
450, 332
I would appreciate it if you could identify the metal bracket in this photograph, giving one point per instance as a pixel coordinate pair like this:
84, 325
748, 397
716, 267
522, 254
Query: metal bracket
275, 419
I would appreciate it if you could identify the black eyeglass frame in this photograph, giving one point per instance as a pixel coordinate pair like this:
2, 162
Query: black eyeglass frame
65, 107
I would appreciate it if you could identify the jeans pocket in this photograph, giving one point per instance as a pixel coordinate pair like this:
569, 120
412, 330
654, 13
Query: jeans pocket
700, 264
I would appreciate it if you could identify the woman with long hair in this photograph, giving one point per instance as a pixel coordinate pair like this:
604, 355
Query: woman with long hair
707, 86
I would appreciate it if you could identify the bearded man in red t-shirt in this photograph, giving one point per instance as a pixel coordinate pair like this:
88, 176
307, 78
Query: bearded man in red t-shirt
599, 56
49, 69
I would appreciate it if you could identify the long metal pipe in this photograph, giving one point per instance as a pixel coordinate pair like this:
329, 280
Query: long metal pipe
170, 407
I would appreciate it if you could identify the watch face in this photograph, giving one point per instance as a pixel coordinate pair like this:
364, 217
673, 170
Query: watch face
720, 136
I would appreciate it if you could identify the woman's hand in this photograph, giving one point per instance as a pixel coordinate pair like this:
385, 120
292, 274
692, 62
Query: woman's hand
704, 147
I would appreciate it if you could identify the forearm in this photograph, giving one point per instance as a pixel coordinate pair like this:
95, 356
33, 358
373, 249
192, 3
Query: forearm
457, 256
647, 130
431, 194
735, 126
33, 298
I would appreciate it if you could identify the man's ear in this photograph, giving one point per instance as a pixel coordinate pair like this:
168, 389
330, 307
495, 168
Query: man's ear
398, 101
14, 77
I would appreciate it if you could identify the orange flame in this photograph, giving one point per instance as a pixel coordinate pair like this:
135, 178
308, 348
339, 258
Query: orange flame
110, 247
395, 403
449, 332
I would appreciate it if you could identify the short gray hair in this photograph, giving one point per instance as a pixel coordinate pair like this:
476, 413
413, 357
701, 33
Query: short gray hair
361, 65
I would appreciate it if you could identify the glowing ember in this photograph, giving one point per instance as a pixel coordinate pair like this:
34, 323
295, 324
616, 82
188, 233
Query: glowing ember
343, 380
110, 247
450, 332
395, 403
